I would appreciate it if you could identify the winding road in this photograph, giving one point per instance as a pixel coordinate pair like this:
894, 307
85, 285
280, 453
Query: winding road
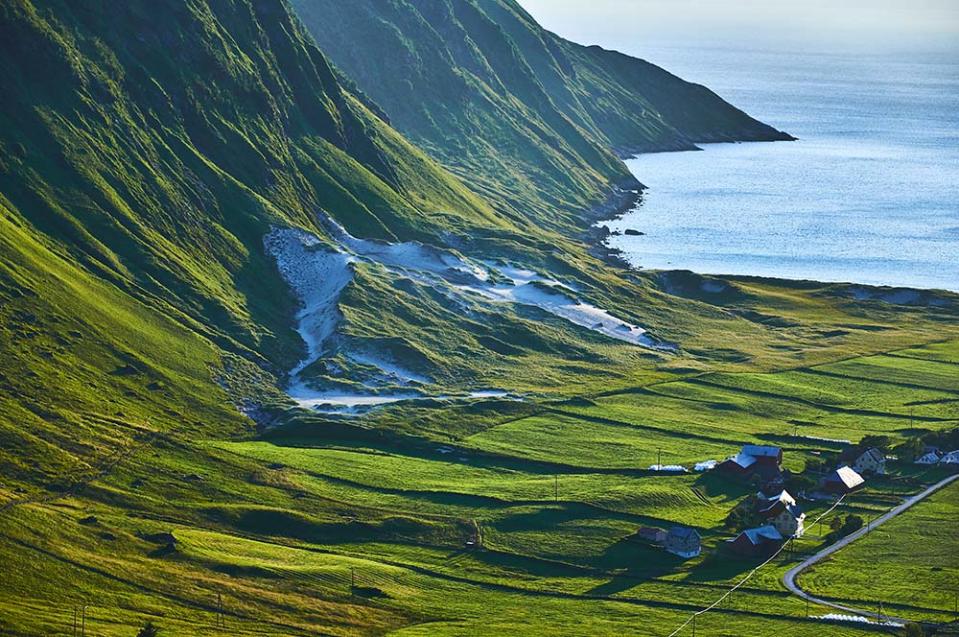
790, 578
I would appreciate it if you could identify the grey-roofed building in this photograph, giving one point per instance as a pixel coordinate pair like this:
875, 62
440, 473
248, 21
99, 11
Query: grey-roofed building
684, 542
871, 461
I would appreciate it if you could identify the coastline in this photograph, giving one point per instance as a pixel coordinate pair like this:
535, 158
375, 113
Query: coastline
627, 196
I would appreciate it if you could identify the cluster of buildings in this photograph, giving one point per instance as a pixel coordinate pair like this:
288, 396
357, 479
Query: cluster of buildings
782, 517
932, 455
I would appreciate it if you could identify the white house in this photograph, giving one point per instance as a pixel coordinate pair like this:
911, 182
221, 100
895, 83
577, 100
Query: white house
683, 541
871, 461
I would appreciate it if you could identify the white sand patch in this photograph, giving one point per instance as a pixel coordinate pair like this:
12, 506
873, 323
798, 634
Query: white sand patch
530, 288
333, 402
318, 273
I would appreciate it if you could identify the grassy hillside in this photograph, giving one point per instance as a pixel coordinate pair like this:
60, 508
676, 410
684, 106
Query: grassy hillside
145, 152
529, 120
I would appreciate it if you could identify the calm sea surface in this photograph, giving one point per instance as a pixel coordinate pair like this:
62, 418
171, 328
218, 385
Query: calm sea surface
870, 193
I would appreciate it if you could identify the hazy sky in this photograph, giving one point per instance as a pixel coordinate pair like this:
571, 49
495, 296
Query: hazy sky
872, 25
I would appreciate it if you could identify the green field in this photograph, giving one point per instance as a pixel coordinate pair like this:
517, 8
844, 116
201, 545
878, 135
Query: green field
873, 570
281, 526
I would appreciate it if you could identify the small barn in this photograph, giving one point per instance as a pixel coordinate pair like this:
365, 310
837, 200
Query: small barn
842, 481
871, 461
761, 541
652, 534
752, 459
764, 455
739, 465
931, 457
683, 541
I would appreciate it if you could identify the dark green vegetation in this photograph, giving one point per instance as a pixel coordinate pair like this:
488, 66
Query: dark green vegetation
145, 149
533, 122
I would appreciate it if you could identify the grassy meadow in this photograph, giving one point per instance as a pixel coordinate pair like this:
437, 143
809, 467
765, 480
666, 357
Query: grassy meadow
346, 526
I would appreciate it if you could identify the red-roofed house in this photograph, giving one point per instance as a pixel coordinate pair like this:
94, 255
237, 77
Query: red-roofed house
762, 541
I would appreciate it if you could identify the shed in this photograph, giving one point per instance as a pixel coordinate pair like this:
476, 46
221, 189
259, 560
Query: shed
763, 540
843, 480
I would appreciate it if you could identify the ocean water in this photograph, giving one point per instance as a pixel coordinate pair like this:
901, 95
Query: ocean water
870, 193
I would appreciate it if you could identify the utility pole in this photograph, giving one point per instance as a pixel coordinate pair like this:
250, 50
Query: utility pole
694, 624
659, 459
352, 580
807, 606
83, 621
220, 623
556, 487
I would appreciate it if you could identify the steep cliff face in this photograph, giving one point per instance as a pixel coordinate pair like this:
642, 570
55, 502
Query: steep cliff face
527, 118
146, 148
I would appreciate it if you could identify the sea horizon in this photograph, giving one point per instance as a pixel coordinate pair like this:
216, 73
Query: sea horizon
866, 195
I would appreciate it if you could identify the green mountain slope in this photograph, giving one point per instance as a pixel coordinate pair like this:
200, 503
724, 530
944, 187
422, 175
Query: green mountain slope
528, 119
145, 150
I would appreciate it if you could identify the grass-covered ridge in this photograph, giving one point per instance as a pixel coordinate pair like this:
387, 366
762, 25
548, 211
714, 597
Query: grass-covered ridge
531, 121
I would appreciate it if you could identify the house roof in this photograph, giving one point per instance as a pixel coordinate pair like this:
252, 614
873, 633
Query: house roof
684, 533
650, 530
930, 458
761, 451
796, 512
783, 496
951, 458
873, 453
743, 460
762, 534
847, 476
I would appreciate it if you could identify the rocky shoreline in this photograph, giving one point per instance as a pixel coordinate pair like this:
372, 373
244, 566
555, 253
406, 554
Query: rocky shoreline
624, 197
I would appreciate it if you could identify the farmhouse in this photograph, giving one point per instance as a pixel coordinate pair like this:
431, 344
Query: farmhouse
950, 458
872, 461
783, 513
754, 459
761, 541
843, 480
652, 534
683, 541
931, 457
